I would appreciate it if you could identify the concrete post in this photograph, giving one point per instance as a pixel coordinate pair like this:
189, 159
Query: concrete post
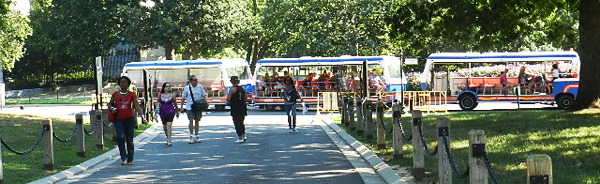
80, 135
351, 113
369, 120
48, 145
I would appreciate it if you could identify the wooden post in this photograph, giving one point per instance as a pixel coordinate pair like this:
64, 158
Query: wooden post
477, 172
351, 113
539, 169
380, 129
99, 129
359, 117
398, 140
1, 173
80, 135
48, 145
418, 150
369, 121
343, 110
444, 170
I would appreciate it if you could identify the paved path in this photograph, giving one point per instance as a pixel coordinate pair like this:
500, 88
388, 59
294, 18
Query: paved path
316, 154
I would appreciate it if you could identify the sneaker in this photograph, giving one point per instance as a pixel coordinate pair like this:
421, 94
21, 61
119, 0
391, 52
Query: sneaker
192, 140
198, 140
294, 130
239, 141
123, 162
290, 130
245, 138
129, 163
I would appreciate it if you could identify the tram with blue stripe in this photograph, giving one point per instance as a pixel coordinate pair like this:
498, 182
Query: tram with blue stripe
522, 77
326, 74
213, 74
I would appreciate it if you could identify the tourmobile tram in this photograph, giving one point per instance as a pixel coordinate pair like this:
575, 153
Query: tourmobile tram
522, 77
213, 74
316, 75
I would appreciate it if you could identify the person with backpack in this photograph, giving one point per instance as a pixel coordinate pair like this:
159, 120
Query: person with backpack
237, 101
290, 95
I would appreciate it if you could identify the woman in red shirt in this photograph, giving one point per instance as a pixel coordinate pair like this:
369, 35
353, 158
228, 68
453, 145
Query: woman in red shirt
122, 102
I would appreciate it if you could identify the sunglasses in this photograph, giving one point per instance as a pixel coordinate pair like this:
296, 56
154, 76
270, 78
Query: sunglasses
194, 80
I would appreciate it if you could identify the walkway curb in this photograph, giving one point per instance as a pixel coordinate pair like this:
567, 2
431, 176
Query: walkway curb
384, 170
139, 141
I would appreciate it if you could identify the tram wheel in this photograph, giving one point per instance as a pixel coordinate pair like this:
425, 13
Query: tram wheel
564, 101
467, 102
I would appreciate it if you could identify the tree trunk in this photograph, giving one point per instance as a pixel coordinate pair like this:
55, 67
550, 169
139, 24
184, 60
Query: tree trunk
169, 50
589, 39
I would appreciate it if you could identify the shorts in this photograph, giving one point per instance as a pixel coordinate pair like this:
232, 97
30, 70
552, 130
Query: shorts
194, 115
166, 119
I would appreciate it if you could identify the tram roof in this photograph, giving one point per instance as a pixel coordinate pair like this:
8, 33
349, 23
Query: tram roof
455, 57
175, 64
344, 60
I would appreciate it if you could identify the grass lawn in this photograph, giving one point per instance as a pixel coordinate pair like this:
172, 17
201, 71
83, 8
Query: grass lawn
49, 100
21, 131
571, 139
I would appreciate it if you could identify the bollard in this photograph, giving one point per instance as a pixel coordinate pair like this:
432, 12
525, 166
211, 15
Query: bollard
539, 169
418, 150
99, 129
398, 140
351, 113
48, 145
380, 130
1, 174
80, 135
343, 110
359, 117
444, 170
477, 170
369, 120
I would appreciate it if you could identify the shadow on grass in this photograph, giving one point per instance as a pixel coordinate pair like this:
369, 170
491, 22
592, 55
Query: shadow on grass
570, 139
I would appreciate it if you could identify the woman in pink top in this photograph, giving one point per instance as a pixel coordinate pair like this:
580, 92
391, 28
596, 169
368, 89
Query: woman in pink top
123, 103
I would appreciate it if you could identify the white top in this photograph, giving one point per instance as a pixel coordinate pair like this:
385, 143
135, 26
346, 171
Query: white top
555, 73
198, 92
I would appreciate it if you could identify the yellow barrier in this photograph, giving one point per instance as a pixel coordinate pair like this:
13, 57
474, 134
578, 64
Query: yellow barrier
329, 102
105, 98
428, 101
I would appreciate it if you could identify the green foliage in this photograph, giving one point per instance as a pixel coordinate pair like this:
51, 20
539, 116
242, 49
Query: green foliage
424, 27
327, 27
14, 30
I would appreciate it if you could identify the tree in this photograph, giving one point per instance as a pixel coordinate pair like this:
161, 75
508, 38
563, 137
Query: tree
193, 27
15, 30
589, 29
327, 27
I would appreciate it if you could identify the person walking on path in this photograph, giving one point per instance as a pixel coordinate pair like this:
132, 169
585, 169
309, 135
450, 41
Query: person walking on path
123, 102
237, 101
167, 110
290, 95
193, 92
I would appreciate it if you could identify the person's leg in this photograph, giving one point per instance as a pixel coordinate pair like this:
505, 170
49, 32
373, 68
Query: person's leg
197, 118
191, 118
169, 133
129, 125
289, 117
165, 128
120, 130
293, 112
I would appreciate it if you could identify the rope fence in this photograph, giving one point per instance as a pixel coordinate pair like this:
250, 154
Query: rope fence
98, 124
357, 115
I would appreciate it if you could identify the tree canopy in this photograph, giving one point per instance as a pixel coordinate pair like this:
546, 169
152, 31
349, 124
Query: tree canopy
14, 30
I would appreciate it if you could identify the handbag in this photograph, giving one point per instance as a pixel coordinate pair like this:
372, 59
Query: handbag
112, 115
198, 105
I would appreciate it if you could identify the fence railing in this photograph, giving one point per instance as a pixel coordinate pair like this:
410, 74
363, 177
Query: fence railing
98, 123
479, 170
